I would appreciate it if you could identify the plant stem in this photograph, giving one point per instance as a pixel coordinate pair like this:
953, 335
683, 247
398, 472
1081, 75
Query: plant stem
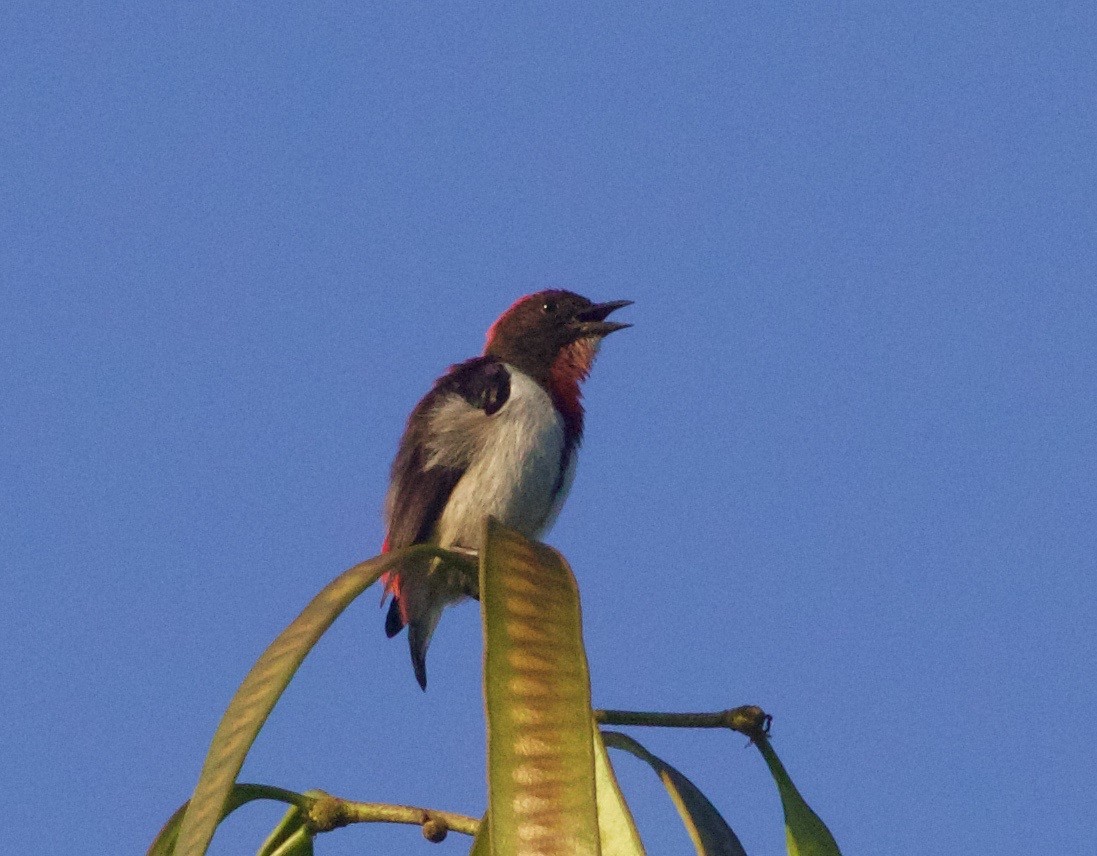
749, 719
330, 812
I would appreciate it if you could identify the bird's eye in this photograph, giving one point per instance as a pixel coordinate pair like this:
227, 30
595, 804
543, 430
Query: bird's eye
548, 306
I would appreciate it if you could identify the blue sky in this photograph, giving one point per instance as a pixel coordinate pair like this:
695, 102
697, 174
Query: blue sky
842, 467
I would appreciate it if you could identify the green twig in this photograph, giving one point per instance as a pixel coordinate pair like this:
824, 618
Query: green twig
749, 719
330, 812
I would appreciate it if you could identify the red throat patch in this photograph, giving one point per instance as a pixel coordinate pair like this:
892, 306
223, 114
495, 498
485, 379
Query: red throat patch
571, 367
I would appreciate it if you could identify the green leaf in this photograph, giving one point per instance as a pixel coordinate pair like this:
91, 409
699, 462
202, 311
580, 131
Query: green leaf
708, 830
616, 828
291, 821
165, 843
805, 833
299, 843
541, 784
263, 686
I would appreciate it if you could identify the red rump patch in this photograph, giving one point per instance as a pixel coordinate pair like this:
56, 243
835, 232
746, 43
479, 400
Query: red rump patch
392, 585
389, 579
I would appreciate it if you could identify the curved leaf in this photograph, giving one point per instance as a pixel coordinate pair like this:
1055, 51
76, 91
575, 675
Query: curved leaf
299, 843
805, 833
708, 830
616, 828
264, 684
292, 820
541, 784
165, 842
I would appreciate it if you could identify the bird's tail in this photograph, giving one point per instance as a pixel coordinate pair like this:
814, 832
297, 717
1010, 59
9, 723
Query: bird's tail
418, 598
419, 632
394, 621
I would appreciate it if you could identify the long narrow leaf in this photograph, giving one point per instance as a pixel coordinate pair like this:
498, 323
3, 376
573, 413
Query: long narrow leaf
299, 843
541, 784
805, 833
257, 695
708, 830
616, 828
165, 842
291, 821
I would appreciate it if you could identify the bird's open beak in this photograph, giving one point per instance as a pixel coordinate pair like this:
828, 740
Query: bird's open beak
592, 320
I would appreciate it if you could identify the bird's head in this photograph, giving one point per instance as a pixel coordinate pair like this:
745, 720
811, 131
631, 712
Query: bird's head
553, 335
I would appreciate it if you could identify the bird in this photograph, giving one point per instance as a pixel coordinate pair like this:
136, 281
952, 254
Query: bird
496, 435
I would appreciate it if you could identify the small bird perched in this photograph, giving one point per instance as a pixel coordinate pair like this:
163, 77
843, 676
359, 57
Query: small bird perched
497, 434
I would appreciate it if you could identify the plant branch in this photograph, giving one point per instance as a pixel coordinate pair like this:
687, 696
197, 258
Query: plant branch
330, 812
749, 719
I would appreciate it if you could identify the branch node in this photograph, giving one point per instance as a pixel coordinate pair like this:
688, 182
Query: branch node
328, 813
750, 720
434, 829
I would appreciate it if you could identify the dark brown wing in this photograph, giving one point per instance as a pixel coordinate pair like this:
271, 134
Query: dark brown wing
419, 490
418, 493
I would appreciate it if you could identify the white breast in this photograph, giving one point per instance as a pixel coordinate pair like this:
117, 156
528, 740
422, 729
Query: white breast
514, 463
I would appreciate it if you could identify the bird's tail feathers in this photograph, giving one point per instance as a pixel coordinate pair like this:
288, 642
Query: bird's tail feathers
394, 621
419, 632
418, 598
